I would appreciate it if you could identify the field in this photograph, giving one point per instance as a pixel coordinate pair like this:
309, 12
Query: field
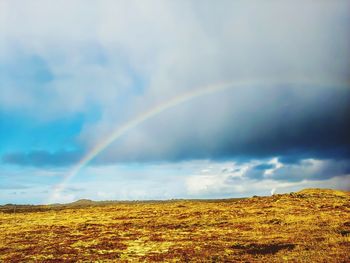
309, 226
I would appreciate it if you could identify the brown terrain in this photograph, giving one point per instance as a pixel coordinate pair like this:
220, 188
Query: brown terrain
312, 225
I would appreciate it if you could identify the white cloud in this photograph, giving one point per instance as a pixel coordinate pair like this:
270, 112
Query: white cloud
277, 165
174, 46
308, 173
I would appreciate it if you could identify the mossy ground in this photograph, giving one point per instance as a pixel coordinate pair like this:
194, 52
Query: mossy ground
308, 226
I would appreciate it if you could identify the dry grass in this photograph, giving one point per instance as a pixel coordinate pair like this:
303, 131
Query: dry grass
308, 226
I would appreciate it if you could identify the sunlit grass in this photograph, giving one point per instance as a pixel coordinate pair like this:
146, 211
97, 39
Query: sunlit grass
309, 226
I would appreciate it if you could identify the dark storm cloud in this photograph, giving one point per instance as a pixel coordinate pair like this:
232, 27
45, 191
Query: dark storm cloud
305, 169
292, 122
42, 158
313, 170
341, 152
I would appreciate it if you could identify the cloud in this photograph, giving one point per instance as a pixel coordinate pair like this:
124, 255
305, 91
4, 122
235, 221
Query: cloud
223, 179
102, 50
309, 173
264, 166
312, 169
42, 158
244, 123
123, 58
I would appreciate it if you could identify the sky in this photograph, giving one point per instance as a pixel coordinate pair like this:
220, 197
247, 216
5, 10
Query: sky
73, 73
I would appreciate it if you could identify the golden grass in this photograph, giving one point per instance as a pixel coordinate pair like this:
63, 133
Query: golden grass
309, 226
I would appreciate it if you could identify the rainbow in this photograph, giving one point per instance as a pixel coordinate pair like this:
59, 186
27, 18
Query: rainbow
117, 133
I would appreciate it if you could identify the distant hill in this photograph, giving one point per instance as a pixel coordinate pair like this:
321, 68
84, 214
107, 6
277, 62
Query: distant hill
323, 192
81, 203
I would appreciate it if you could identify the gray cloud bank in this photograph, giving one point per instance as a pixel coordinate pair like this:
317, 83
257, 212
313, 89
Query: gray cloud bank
256, 122
42, 158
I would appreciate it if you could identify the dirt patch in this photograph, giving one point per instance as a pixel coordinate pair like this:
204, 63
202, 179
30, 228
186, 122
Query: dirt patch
263, 249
